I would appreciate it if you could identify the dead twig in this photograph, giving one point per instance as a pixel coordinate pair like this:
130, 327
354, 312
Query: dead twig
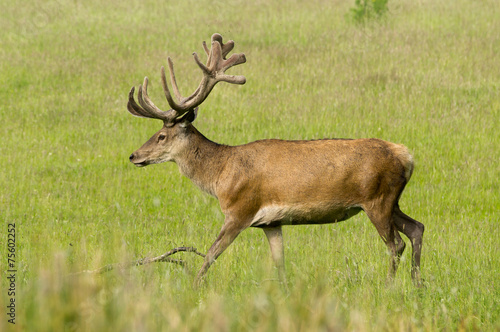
143, 261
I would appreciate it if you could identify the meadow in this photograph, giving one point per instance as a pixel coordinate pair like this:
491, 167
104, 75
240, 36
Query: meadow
427, 75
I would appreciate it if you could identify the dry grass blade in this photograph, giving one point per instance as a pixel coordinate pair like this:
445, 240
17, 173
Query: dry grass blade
143, 261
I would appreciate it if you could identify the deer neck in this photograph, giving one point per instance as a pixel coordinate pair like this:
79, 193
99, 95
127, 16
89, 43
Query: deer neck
201, 160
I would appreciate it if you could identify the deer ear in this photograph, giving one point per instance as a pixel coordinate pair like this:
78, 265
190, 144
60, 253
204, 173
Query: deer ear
189, 117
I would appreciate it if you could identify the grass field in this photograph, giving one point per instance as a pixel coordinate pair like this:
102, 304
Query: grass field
427, 75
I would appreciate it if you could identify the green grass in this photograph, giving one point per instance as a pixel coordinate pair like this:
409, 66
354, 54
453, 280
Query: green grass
427, 75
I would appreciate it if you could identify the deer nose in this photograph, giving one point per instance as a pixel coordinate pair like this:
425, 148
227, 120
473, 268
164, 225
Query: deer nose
131, 157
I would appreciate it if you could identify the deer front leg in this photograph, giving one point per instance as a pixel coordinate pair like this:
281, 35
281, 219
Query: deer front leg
275, 238
228, 233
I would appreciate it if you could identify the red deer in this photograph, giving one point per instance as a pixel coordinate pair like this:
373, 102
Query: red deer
271, 183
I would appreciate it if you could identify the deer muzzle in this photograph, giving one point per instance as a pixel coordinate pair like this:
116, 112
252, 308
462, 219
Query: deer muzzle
137, 161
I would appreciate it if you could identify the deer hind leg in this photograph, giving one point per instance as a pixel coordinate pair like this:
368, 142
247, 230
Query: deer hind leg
414, 230
400, 244
381, 218
275, 237
227, 234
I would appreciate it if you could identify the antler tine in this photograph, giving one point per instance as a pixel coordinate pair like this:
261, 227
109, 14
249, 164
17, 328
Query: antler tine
166, 91
173, 80
216, 55
217, 37
233, 60
207, 51
148, 105
226, 48
177, 109
133, 108
233, 79
206, 71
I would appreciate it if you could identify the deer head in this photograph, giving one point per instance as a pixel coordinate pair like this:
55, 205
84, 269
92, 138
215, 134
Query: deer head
171, 139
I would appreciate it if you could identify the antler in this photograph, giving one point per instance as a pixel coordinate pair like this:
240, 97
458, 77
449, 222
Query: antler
213, 72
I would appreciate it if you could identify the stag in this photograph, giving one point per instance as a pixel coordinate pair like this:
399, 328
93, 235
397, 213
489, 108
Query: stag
271, 183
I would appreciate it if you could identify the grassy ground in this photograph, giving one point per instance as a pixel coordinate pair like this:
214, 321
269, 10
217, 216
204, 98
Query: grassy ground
428, 76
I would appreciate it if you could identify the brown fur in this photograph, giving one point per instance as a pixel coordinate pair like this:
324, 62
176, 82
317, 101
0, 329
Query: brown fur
271, 183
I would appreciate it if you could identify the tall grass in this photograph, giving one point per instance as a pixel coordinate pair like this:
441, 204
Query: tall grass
427, 76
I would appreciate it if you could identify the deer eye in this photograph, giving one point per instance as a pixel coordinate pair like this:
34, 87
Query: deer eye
161, 137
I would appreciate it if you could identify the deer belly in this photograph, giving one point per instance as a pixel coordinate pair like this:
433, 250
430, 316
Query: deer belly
275, 215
